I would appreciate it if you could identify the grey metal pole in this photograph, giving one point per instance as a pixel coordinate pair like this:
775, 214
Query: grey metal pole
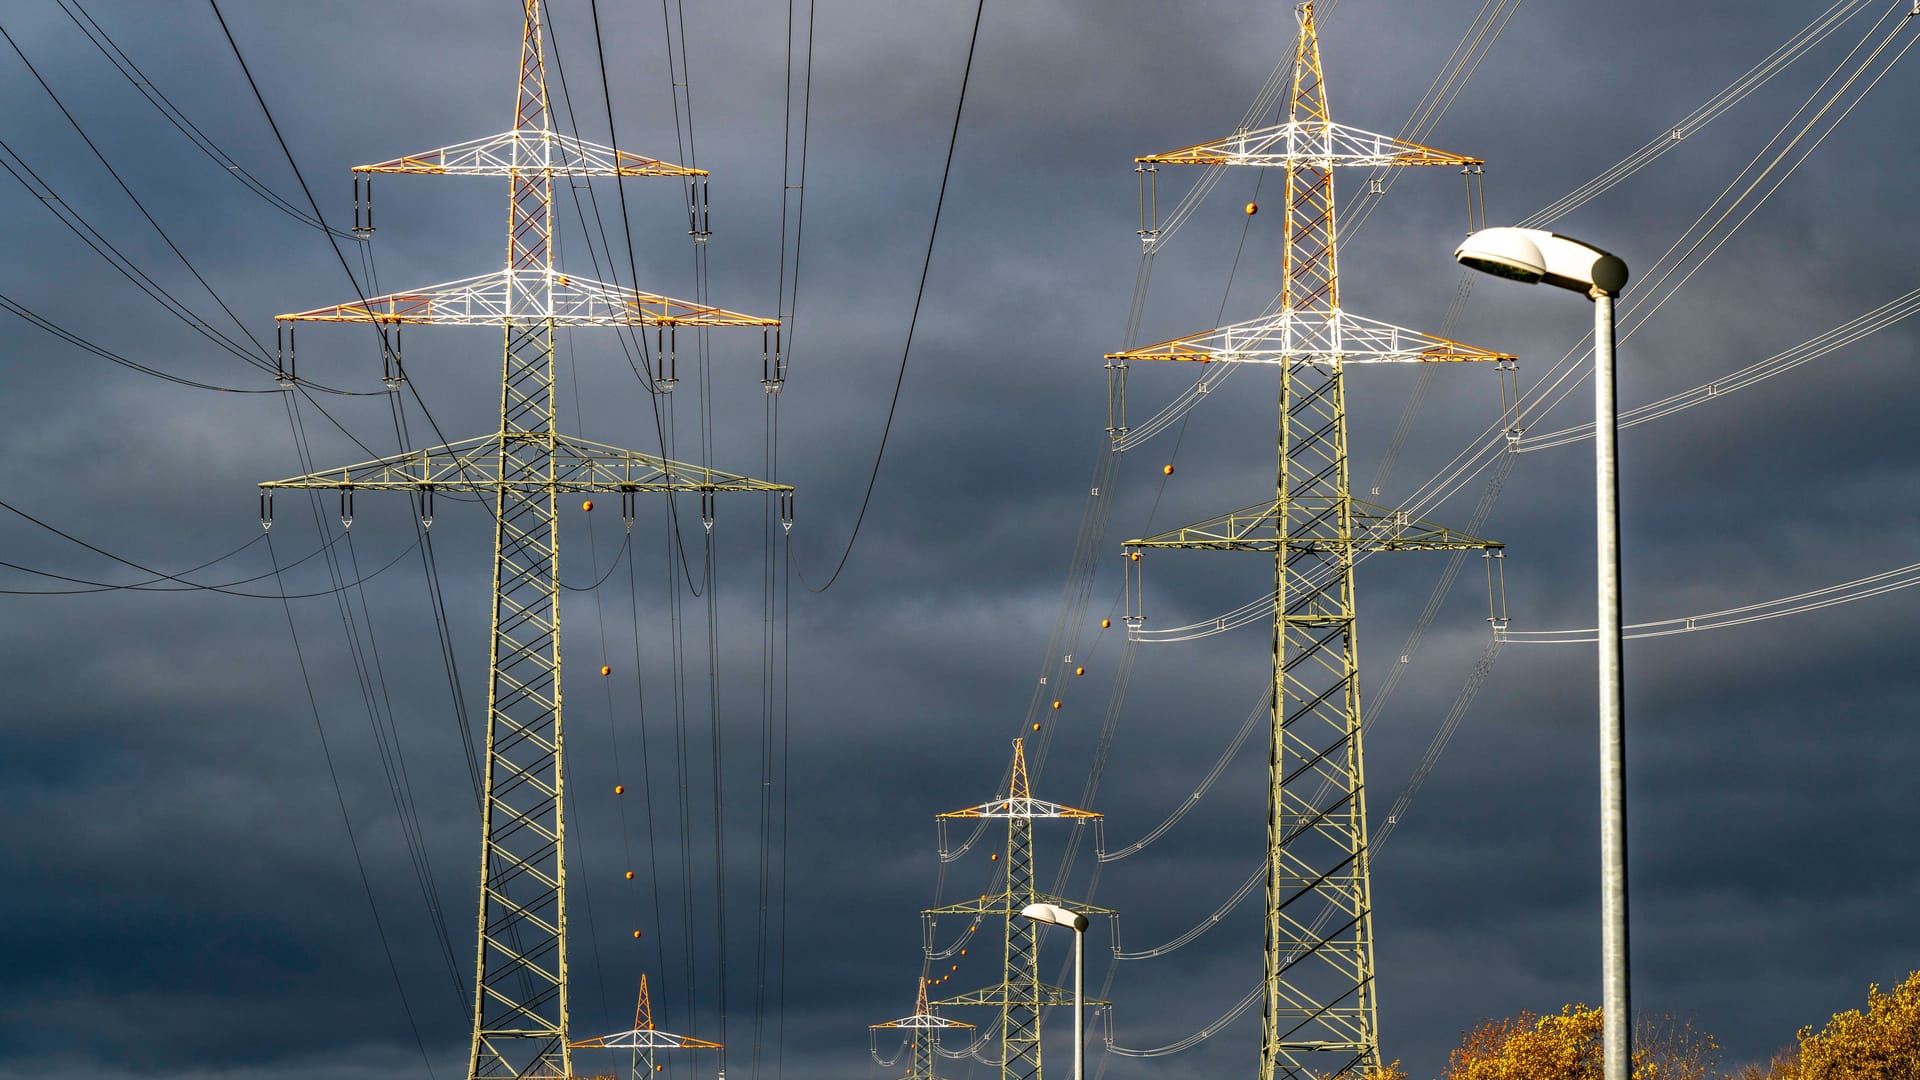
1079, 1001
1617, 1023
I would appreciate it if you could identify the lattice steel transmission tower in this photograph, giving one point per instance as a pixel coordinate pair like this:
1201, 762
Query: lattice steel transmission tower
644, 1039
1318, 1017
520, 1021
1021, 993
923, 1030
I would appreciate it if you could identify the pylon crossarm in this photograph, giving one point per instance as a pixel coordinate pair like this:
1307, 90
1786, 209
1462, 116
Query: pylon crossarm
1375, 528
1314, 143
996, 904
644, 1039
1324, 337
921, 1022
1021, 808
529, 152
998, 995
525, 294
473, 465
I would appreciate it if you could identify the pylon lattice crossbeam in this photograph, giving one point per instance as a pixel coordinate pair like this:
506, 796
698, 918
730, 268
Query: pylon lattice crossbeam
1020, 994
1327, 337
1316, 142
579, 466
520, 1017
1318, 1016
528, 153
538, 292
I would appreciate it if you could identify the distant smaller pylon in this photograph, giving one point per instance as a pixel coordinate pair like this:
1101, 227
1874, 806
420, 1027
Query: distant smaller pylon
644, 1038
923, 1036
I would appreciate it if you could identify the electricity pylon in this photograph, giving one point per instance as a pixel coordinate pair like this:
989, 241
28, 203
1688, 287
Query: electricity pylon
644, 1039
1318, 1017
923, 1030
1020, 994
520, 1019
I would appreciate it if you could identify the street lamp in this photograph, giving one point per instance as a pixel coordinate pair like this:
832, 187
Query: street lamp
1055, 915
1534, 255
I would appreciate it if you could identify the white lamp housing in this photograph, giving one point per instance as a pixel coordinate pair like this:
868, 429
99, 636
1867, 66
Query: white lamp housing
1055, 915
1535, 255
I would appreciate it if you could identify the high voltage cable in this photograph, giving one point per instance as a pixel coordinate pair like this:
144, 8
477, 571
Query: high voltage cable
340, 799
913, 320
229, 165
1561, 381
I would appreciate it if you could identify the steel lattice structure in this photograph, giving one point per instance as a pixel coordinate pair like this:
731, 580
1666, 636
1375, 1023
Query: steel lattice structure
520, 1020
923, 1030
1021, 993
643, 1039
1318, 1016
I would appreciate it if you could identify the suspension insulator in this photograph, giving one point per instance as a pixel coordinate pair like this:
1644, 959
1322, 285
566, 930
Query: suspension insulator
786, 511
346, 508
626, 509
426, 508
266, 511
391, 371
706, 510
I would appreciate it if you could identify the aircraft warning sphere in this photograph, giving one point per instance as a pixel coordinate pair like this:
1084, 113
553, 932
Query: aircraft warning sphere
636, 935
995, 857
1166, 470
619, 789
1056, 704
605, 670
1134, 555
1079, 671
1105, 623
1253, 208
629, 875
1036, 725
587, 506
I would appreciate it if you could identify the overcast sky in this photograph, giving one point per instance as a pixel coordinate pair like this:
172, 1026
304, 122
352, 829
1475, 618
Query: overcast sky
185, 899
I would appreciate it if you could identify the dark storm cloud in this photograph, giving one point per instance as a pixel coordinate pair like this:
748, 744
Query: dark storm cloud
187, 904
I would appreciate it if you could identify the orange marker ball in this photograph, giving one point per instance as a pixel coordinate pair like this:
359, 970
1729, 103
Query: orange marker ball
1036, 725
619, 789
1079, 671
1105, 623
605, 670
629, 875
587, 506
995, 857
1134, 555
636, 935
1056, 705
1166, 470
1253, 208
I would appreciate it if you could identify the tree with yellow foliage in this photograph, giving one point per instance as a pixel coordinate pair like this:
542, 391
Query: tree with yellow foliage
1568, 1047
1882, 1043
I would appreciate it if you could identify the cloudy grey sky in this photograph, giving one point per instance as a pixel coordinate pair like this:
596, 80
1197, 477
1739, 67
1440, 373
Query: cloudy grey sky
184, 899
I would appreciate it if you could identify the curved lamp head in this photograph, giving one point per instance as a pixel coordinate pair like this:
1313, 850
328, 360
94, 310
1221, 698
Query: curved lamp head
1055, 915
1535, 255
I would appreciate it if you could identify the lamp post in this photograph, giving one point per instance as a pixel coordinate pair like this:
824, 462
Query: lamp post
1534, 255
1055, 915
